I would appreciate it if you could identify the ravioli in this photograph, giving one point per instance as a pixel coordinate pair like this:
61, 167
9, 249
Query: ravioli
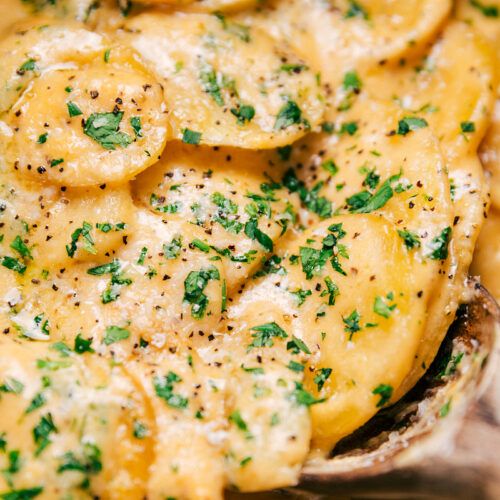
337, 37
91, 441
110, 112
248, 92
230, 231
422, 89
226, 198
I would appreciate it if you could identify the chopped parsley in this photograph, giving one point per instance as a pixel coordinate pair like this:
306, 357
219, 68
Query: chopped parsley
42, 138
239, 30
385, 393
88, 463
12, 385
303, 398
211, 84
172, 250
115, 334
244, 113
439, 245
191, 137
200, 245
23, 494
254, 233
409, 124
88, 242
37, 402
486, 10
365, 202
110, 267
20, 247
158, 203
28, 65
351, 82
194, 286
381, 307
351, 323
237, 420
348, 128
13, 264
164, 388
118, 280
42, 432
310, 198
135, 123
226, 214
295, 367
301, 295
264, 334
140, 430
104, 129
330, 167
82, 345
297, 345
411, 240
313, 260
356, 10
322, 375
467, 127
288, 115
73, 109
332, 290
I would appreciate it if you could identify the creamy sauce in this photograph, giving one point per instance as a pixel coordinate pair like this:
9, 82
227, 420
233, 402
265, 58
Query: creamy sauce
231, 231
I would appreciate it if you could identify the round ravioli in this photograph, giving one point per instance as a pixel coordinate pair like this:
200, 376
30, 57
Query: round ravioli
426, 90
227, 203
363, 165
37, 44
350, 315
88, 124
69, 420
336, 37
226, 83
186, 400
133, 298
374, 165
266, 403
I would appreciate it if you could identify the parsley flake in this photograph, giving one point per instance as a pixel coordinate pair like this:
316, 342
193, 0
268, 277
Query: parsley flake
164, 388
264, 334
104, 129
385, 393
409, 124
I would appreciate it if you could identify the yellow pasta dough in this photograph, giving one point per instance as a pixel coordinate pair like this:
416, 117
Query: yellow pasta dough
264, 105
228, 195
230, 231
337, 37
108, 122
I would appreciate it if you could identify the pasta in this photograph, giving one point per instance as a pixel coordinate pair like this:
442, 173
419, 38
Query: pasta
231, 231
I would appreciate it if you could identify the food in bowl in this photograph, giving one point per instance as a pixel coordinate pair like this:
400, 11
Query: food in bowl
231, 231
